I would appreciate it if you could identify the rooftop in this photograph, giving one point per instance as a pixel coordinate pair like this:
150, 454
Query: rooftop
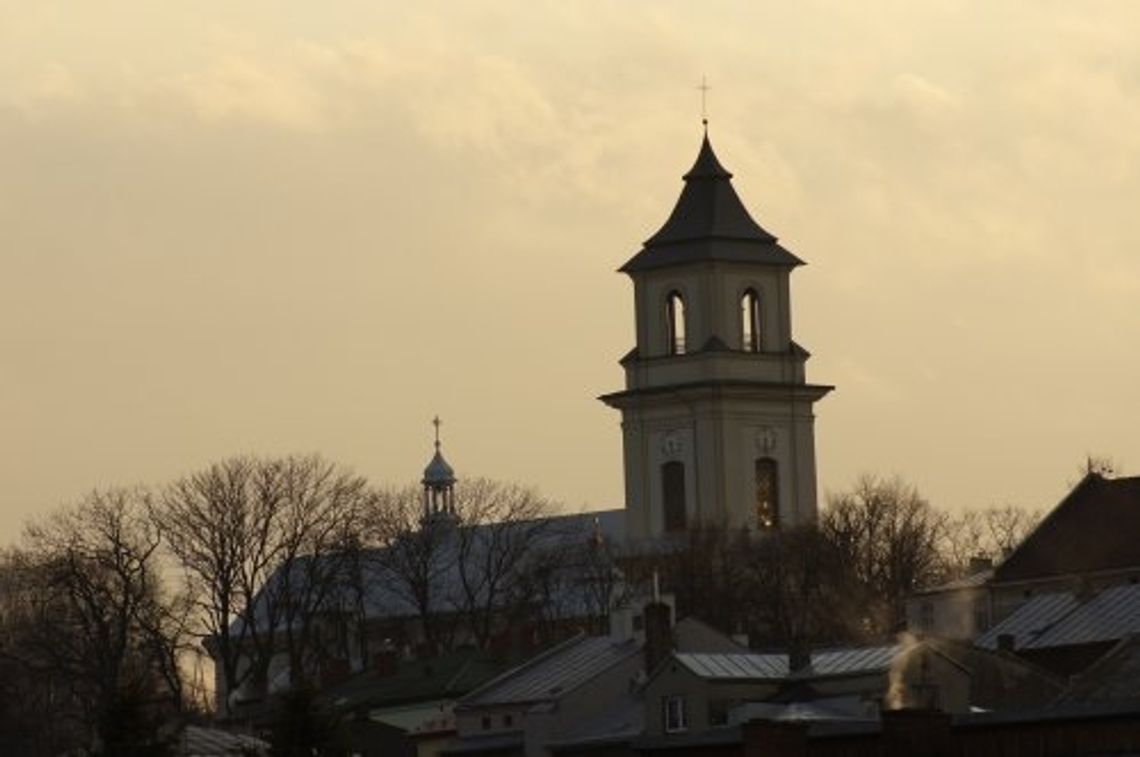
709, 222
759, 667
555, 672
1092, 529
1063, 619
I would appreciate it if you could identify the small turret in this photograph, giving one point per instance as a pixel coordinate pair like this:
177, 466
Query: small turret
439, 484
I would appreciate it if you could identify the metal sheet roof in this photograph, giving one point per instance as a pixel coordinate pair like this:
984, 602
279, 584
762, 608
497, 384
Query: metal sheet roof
555, 672
1030, 620
1061, 619
213, 742
824, 663
1110, 615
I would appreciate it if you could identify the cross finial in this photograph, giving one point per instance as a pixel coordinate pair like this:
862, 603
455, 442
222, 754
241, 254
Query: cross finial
704, 88
437, 423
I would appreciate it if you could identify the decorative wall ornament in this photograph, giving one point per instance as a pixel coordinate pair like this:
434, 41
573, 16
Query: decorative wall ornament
673, 444
766, 439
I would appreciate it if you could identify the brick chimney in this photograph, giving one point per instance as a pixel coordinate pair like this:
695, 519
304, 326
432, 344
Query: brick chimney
658, 634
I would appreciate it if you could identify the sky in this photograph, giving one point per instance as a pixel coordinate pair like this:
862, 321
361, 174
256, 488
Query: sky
275, 227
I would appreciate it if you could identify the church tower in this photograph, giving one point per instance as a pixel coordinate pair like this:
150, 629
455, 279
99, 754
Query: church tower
717, 415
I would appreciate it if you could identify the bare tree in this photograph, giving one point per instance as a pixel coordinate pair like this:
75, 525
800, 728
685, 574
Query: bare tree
964, 538
87, 617
991, 533
500, 524
1007, 526
413, 557
702, 568
888, 535
799, 591
321, 507
262, 545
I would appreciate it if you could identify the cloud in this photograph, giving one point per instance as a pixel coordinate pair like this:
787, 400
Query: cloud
241, 89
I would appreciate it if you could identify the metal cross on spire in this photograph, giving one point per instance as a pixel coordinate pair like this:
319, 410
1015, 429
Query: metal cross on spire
704, 88
437, 423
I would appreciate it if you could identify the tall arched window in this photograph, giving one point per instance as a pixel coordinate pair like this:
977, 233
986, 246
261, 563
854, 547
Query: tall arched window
675, 323
767, 493
750, 321
673, 495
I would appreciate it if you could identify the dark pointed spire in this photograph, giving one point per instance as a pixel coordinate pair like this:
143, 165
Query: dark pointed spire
709, 222
707, 165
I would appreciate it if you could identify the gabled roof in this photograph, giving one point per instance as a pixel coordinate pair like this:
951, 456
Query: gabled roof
1094, 528
709, 222
554, 673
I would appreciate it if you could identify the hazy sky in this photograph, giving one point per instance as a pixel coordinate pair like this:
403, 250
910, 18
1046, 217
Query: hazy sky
284, 226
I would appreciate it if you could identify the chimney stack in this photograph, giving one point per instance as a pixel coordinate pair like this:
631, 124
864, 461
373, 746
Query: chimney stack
799, 656
658, 634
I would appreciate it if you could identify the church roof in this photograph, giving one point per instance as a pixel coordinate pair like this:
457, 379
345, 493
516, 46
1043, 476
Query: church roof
709, 222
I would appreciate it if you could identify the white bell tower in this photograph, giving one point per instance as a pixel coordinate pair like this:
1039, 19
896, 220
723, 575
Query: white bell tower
717, 417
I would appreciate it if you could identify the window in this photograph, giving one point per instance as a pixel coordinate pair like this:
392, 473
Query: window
673, 495
675, 323
750, 321
767, 494
486, 722
675, 715
508, 721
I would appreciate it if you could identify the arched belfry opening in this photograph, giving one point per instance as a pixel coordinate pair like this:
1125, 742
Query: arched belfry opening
675, 323
750, 321
767, 494
717, 413
439, 484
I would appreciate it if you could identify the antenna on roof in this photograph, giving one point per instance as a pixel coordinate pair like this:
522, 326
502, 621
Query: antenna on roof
704, 88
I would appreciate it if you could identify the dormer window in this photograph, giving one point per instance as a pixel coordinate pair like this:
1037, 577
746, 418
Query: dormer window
675, 323
750, 321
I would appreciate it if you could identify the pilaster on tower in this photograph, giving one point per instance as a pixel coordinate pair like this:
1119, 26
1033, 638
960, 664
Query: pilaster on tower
717, 415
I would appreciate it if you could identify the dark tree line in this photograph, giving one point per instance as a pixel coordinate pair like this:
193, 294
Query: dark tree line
263, 560
841, 579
